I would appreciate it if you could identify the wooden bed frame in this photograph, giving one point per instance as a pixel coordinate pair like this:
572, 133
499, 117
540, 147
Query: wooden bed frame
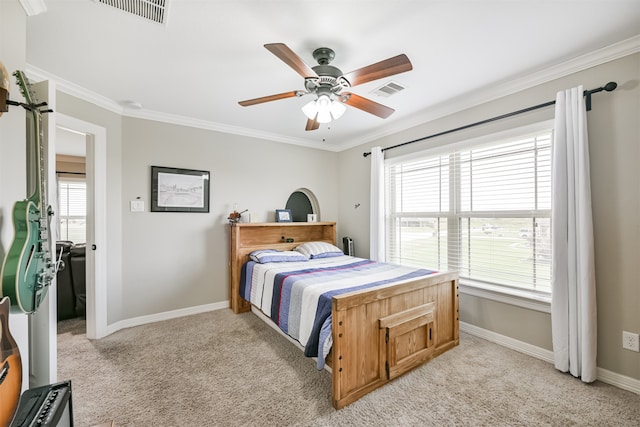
378, 333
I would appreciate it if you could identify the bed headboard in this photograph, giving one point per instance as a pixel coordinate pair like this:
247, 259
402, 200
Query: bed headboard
248, 237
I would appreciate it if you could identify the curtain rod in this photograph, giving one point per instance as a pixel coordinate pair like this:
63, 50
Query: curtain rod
609, 87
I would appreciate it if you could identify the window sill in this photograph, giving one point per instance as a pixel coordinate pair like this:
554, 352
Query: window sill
517, 297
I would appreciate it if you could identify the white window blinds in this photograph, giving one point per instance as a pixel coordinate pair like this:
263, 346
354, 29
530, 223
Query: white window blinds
72, 210
483, 211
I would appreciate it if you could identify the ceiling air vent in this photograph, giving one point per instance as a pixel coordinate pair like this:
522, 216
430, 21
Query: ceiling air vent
153, 10
388, 89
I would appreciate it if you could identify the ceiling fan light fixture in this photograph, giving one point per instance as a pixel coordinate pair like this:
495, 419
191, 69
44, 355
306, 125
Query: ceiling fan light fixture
337, 109
326, 82
310, 110
324, 109
323, 116
323, 104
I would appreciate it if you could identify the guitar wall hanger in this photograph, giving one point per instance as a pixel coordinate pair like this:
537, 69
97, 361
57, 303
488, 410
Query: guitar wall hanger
29, 107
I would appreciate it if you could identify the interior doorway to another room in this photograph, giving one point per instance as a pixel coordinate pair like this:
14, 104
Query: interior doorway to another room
77, 140
71, 223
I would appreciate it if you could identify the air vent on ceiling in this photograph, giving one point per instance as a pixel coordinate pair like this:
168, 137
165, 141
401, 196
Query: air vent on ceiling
388, 89
153, 10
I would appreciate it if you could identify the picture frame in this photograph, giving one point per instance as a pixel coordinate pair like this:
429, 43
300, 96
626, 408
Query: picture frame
179, 190
283, 215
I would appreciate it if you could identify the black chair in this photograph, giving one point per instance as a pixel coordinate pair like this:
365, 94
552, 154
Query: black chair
71, 280
79, 274
66, 296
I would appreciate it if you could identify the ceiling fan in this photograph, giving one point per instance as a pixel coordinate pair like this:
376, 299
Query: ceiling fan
328, 84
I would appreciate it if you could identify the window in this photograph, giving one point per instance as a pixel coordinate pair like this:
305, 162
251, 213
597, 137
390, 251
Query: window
72, 215
483, 210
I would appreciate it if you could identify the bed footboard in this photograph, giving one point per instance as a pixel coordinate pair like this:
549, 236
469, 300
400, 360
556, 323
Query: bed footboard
381, 333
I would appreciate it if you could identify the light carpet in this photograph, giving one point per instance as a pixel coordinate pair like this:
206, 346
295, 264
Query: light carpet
222, 369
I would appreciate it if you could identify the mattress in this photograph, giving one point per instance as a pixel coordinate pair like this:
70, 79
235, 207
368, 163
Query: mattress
297, 295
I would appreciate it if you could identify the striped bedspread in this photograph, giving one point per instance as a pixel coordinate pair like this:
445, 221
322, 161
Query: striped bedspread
297, 295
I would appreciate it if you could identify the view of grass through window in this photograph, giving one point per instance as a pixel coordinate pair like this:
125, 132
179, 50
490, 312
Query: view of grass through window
484, 212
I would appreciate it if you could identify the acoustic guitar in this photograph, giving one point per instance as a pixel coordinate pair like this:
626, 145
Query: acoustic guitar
10, 368
28, 268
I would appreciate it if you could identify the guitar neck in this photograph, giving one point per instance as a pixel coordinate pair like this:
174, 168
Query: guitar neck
35, 143
38, 162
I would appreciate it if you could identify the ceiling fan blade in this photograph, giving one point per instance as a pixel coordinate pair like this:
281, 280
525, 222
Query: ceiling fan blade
367, 105
268, 98
290, 58
312, 124
388, 67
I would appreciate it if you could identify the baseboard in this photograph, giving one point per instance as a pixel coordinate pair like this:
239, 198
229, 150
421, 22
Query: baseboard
513, 344
609, 377
143, 320
620, 381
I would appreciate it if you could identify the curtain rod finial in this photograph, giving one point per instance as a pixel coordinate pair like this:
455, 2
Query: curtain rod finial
611, 86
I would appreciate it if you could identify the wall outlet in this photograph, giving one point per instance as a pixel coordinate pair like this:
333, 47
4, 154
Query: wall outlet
630, 341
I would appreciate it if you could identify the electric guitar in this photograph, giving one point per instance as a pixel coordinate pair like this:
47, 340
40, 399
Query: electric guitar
10, 368
28, 268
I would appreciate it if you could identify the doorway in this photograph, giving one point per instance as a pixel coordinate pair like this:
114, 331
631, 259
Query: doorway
79, 137
71, 224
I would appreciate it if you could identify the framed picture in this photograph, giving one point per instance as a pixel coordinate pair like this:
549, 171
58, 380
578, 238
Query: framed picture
283, 215
179, 190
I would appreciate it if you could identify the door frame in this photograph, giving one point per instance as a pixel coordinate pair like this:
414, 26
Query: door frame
96, 157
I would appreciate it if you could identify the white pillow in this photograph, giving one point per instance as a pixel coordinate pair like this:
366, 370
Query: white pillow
271, 255
319, 250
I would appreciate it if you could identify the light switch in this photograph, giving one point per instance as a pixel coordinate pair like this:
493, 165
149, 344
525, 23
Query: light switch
137, 206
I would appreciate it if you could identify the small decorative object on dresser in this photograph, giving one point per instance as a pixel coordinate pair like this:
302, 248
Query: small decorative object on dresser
312, 218
283, 215
235, 215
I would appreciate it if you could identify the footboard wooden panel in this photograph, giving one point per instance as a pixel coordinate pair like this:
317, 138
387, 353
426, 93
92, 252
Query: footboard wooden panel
360, 356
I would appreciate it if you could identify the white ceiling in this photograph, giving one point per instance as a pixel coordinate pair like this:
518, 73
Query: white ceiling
210, 55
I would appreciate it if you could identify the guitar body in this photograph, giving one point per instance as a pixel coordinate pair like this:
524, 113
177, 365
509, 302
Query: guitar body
25, 261
10, 368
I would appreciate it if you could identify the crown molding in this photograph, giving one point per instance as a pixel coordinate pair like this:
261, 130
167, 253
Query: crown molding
505, 88
33, 7
218, 127
454, 105
38, 74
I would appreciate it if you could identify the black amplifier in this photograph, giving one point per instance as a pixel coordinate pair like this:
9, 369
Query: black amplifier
49, 405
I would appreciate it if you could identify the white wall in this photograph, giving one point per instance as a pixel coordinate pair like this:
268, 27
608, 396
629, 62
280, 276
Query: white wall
112, 122
13, 150
160, 261
180, 260
12, 124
